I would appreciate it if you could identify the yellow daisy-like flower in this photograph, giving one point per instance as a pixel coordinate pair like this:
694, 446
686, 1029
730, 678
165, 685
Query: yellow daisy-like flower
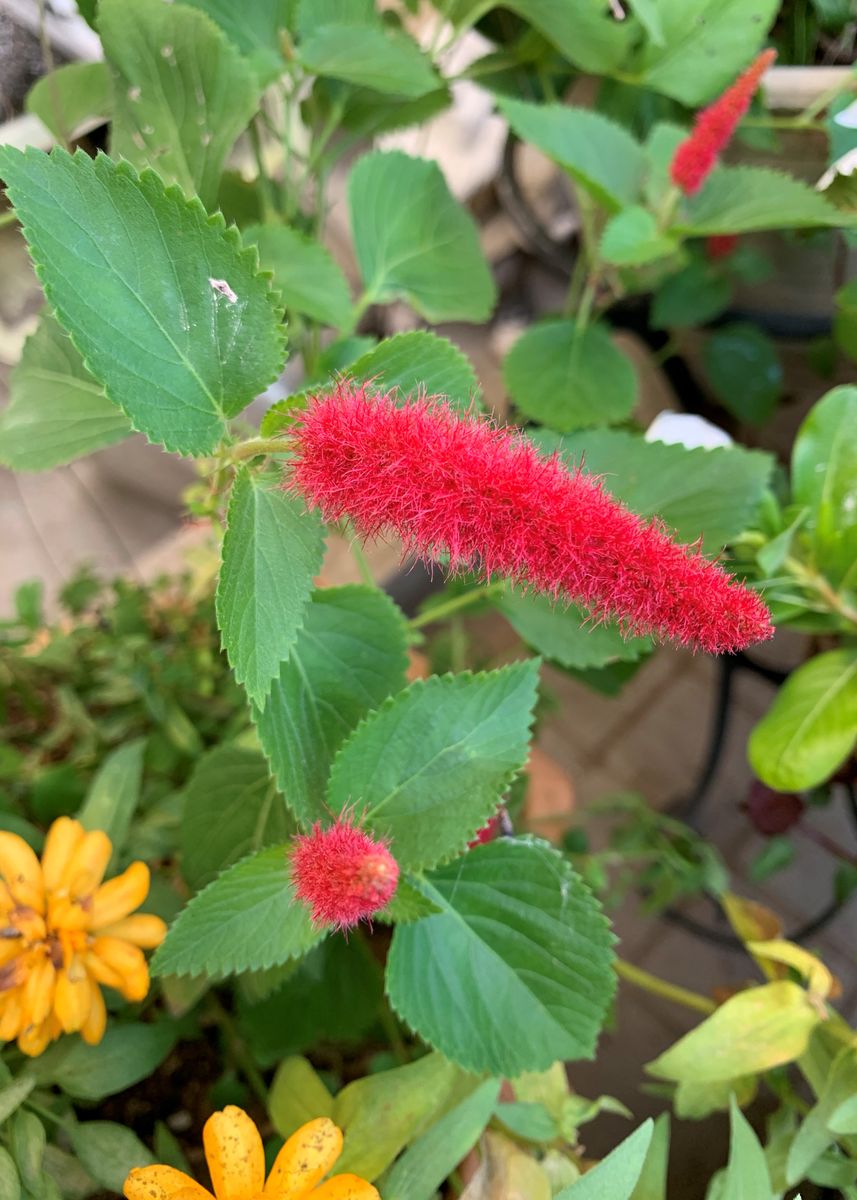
236, 1163
64, 934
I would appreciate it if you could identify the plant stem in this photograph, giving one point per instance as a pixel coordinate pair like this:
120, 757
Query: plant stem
817, 583
253, 447
659, 987
827, 843
237, 1050
266, 188
360, 559
456, 604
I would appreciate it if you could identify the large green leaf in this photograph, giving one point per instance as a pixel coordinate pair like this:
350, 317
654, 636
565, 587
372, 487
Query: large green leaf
369, 56
125, 1055
632, 238
824, 478
811, 727
305, 274
746, 199
747, 1176
564, 634
379, 1114
704, 45
414, 240
114, 794
271, 553
693, 296
815, 1135
348, 657
568, 378
615, 1176
519, 944
755, 1030
584, 32
254, 27
419, 362
108, 1151
429, 767
246, 920
231, 809
71, 96
166, 309
743, 368
56, 411
426, 1163
599, 154
181, 92
709, 493
311, 15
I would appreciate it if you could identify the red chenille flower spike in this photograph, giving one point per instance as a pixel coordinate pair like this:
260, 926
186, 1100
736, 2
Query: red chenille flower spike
342, 873
484, 496
712, 132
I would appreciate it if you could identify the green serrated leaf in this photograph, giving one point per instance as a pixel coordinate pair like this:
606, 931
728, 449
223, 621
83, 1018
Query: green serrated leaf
585, 33
72, 98
824, 478
567, 378
632, 238
425, 250
231, 809
125, 1055
746, 199
617, 1175
246, 920
744, 370
369, 56
420, 362
158, 298
254, 28
429, 767
811, 728
181, 92
305, 273
693, 296
349, 656
703, 46
520, 944
56, 411
272, 552
753, 1031
597, 152
114, 794
310, 15
709, 493
409, 903
565, 635
108, 1151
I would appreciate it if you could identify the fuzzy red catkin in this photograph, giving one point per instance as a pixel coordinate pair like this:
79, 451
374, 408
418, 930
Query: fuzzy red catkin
486, 497
342, 873
712, 132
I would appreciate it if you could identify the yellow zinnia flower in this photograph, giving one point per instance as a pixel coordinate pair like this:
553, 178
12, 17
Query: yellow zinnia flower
63, 933
236, 1163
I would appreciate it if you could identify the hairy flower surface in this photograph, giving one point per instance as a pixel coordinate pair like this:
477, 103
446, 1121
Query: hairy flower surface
236, 1164
64, 935
484, 496
697, 155
342, 873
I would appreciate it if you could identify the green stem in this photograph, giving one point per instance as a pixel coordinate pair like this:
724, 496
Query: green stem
253, 447
266, 187
816, 582
439, 611
659, 987
237, 1050
360, 559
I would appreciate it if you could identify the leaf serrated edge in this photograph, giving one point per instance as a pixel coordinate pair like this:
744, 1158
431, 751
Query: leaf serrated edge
521, 666
223, 972
598, 914
689, 228
422, 334
175, 194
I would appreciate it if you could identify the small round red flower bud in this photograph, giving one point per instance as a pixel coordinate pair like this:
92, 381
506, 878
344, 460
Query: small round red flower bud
720, 246
342, 873
772, 813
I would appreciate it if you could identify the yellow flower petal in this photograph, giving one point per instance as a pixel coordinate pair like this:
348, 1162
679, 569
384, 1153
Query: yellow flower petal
345, 1187
120, 896
10, 1016
88, 863
64, 838
233, 1150
35, 1039
127, 962
64, 912
163, 1183
142, 929
72, 998
22, 871
38, 992
304, 1160
99, 970
92, 1029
